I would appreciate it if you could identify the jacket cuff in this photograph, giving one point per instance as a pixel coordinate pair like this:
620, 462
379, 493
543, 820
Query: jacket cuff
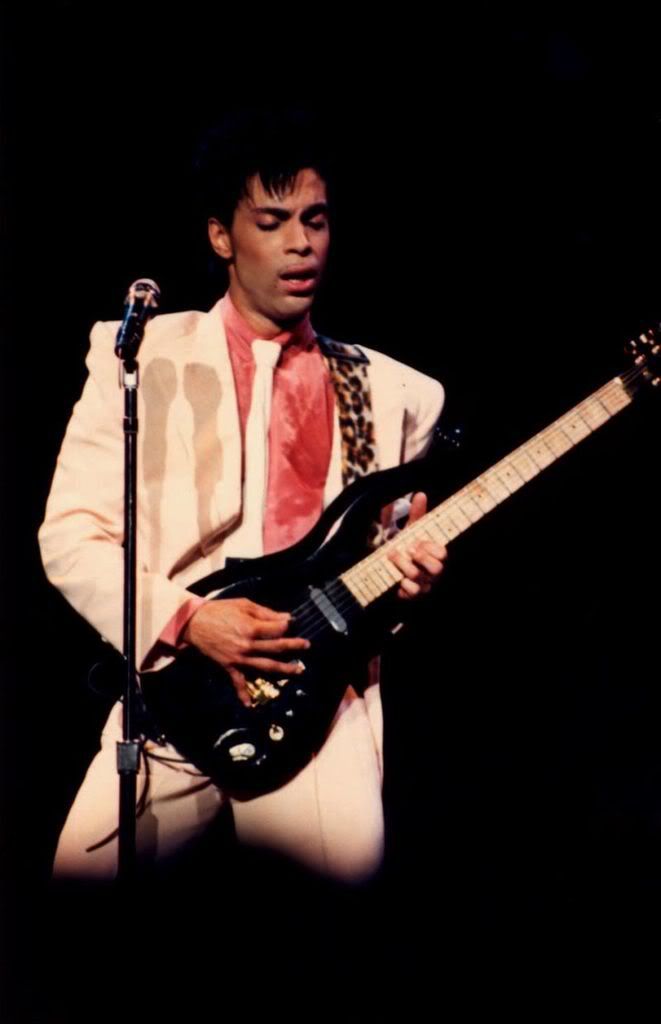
172, 634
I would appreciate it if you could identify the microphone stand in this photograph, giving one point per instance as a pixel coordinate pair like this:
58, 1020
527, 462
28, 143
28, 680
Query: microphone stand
128, 748
141, 303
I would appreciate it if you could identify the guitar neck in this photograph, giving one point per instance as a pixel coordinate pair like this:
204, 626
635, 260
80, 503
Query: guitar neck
376, 574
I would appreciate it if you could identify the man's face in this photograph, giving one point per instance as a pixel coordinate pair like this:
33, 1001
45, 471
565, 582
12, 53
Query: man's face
276, 248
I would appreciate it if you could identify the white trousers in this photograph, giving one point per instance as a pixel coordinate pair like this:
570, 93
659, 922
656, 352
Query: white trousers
328, 818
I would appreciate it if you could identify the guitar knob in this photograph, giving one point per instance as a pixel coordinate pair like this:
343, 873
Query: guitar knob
276, 732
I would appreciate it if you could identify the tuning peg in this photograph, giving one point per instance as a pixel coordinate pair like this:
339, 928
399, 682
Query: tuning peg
645, 341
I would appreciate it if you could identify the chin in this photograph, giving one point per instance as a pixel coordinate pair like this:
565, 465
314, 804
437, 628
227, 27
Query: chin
296, 307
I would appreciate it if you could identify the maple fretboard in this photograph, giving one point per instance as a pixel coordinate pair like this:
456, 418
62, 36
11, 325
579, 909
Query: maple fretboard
376, 574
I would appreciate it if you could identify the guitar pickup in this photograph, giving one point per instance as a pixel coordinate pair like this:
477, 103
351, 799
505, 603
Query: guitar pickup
328, 610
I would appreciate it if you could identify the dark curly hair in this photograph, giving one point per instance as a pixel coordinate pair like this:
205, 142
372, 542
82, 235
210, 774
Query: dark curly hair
273, 143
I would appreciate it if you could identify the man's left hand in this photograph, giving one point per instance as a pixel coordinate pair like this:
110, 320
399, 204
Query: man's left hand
422, 562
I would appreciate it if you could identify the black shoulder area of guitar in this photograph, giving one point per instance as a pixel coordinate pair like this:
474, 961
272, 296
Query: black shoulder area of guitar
362, 500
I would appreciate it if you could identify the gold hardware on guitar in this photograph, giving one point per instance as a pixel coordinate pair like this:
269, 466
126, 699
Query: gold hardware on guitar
263, 690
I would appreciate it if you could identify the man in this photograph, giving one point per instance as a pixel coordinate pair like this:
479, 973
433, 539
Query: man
205, 494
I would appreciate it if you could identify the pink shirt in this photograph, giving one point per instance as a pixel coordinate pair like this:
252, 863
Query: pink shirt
300, 435
301, 430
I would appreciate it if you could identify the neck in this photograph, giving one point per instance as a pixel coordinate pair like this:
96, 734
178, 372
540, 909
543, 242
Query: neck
263, 326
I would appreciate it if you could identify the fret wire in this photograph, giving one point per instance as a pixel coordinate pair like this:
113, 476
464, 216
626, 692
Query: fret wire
559, 443
575, 423
560, 427
391, 570
458, 527
569, 418
426, 532
537, 455
456, 503
511, 468
373, 583
570, 435
511, 478
435, 531
469, 506
527, 464
458, 517
437, 512
579, 413
597, 412
503, 481
352, 581
448, 528
495, 483
370, 587
466, 494
482, 498
358, 571
377, 575
489, 478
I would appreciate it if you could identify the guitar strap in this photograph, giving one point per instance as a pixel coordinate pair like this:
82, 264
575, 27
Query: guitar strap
347, 365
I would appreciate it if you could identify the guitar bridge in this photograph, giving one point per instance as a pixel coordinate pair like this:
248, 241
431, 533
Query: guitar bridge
262, 691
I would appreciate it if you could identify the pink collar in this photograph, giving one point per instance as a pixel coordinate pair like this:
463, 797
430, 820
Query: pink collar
242, 332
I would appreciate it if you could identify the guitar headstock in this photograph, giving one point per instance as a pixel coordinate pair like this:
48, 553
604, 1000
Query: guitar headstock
646, 353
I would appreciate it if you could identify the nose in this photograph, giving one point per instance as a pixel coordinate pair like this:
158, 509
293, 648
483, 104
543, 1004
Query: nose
298, 240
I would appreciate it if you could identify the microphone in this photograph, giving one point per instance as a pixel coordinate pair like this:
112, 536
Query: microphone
141, 303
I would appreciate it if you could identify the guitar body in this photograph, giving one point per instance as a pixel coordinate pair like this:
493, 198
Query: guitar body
193, 703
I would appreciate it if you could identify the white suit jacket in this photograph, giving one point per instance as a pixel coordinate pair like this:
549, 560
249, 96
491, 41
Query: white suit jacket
189, 472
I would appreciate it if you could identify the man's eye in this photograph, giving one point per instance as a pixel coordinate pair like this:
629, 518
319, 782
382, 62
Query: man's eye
271, 226
318, 225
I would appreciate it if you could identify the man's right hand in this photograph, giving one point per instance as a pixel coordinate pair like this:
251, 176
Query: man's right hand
239, 634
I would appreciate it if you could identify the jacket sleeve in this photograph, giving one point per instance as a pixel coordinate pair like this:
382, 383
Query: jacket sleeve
81, 538
426, 397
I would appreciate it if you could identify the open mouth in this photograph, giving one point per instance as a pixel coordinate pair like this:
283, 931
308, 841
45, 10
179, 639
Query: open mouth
299, 280
301, 274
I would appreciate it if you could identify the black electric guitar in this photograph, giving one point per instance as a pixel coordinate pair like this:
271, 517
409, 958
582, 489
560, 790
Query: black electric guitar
343, 602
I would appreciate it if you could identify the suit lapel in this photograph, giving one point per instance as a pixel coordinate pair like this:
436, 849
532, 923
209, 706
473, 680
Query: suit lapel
216, 441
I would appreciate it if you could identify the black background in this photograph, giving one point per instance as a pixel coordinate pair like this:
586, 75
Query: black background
497, 226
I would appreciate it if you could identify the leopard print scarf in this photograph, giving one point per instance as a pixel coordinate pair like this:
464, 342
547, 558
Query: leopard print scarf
348, 369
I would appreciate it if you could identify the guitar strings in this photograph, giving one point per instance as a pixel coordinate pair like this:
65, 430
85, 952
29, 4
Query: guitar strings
313, 614
310, 620
454, 503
